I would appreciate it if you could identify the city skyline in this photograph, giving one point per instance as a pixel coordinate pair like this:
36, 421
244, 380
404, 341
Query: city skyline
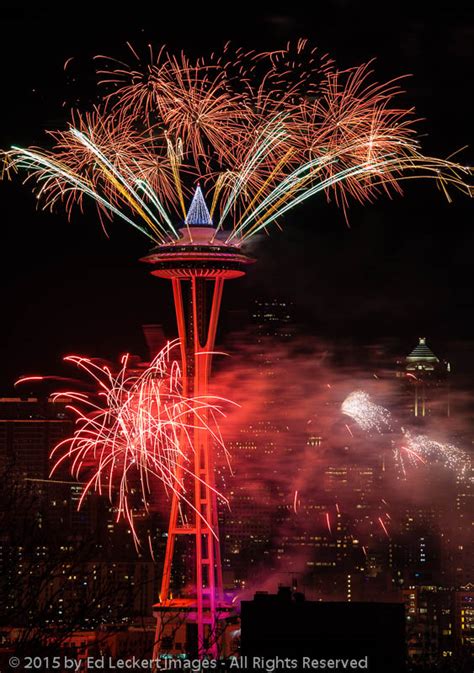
274, 535
342, 363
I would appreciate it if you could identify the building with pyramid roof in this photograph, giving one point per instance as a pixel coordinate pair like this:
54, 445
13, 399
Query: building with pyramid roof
421, 357
427, 381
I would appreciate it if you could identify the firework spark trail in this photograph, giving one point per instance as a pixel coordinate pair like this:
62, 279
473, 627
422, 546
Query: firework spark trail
413, 454
328, 523
296, 503
263, 131
416, 449
420, 448
368, 415
137, 431
383, 526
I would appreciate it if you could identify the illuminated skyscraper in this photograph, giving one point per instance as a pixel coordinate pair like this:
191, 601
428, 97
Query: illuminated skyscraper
29, 429
427, 379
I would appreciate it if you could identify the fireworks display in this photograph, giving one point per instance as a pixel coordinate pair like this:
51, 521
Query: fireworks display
136, 432
420, 449
261, 132
413, 450
208, 153
368, 415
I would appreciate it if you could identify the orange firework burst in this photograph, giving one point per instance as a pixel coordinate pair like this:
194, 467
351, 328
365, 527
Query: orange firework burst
262, 132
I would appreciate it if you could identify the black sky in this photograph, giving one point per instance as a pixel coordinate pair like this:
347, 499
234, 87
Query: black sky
403, 268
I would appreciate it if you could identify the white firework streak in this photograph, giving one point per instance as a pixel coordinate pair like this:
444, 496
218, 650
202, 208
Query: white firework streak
368, 415
422, 449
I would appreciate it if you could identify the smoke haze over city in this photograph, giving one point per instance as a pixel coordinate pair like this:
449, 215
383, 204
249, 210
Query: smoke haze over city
343, 360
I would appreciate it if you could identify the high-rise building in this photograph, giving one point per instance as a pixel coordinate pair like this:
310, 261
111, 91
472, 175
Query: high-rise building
461, 534
418, 552
427, 382
440, 625
464, 620
430, 624
29, 429
273, 317
155, 338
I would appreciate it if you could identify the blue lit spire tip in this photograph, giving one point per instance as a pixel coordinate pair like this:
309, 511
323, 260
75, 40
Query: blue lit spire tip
198, 213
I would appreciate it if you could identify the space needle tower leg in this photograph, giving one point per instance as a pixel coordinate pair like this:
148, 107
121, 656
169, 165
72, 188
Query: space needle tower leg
197, 264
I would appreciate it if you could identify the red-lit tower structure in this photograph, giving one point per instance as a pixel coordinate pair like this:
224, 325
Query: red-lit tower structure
197, 264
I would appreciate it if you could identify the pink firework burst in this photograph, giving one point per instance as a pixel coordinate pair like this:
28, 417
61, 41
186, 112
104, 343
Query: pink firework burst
135, 434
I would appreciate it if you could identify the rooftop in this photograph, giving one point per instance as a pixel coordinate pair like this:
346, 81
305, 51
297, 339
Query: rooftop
198, 213
421, 352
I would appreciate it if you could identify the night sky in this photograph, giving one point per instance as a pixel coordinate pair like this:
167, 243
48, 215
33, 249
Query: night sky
402, 269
